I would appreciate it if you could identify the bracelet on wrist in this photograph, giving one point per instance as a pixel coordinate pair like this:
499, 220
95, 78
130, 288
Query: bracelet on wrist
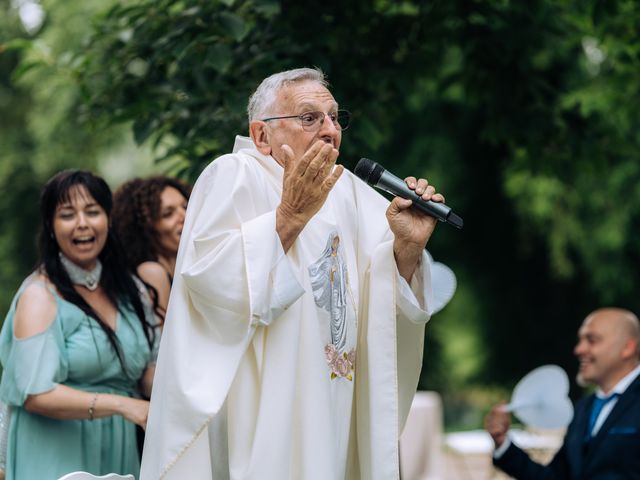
93, 406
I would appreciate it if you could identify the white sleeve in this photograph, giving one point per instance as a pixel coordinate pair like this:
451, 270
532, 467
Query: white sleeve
414, 301
282, 285
235, 267
498, 452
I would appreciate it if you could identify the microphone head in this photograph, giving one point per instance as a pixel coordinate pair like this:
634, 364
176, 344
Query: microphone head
368, 170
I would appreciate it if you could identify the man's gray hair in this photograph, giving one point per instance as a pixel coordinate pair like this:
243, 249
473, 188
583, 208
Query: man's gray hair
265, 95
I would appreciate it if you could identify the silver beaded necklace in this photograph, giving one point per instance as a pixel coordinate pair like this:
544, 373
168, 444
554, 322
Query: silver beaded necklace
80, 276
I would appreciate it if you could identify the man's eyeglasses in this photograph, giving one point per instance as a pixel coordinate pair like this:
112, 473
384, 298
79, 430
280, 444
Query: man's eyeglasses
313, 121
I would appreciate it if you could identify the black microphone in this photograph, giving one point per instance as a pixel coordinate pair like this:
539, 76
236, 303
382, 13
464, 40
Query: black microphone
378, 177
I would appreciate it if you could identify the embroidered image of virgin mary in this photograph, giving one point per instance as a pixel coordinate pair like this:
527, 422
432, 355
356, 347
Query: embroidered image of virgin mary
329, 280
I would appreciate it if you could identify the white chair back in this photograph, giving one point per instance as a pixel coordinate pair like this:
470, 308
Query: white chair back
88, 476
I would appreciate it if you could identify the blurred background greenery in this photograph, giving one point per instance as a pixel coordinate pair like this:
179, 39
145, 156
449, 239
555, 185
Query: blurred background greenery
524, 114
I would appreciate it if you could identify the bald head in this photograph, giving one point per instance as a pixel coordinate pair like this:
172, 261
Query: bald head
608, 347
622, 323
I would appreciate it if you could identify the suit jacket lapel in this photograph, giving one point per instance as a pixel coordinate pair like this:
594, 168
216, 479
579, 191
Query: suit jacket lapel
628, 399
575, 440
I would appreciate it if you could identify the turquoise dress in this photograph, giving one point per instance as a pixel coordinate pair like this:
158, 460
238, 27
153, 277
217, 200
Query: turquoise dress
73, 351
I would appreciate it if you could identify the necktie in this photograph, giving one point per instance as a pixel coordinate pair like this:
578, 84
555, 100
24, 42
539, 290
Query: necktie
596, 408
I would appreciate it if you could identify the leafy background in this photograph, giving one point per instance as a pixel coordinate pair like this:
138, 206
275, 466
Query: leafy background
525, 114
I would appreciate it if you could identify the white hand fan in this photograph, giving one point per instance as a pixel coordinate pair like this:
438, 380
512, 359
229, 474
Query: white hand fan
541, 399
443, 283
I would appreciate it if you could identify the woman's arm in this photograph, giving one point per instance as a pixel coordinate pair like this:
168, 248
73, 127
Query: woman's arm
66, 403
35, 312
155, 275
146, 382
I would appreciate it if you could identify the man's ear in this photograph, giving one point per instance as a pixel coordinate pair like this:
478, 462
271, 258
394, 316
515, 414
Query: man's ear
260, 135
630, 349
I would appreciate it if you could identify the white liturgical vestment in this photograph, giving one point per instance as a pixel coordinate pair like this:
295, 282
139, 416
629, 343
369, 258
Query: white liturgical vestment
274, 366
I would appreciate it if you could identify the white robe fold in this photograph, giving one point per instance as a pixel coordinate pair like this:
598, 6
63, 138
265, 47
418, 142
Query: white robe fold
242, 388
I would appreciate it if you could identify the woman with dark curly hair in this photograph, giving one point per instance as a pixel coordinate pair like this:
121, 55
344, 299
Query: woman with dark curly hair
77, 346
148, 215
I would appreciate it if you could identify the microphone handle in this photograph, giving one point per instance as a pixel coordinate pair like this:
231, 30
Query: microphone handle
396, 186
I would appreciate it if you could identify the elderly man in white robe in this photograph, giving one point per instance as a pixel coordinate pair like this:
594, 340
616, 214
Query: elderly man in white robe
294, 334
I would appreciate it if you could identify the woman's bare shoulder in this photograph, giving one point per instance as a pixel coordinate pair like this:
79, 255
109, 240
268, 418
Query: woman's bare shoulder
36, 307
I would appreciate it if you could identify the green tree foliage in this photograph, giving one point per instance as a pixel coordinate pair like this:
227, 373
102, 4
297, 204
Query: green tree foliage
523, 113
17, 241
41, 131
179, 71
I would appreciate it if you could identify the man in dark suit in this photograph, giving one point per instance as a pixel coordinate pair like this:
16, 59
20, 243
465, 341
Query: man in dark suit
603, 440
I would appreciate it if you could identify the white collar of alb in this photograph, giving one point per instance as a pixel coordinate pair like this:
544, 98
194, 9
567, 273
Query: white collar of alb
89, 279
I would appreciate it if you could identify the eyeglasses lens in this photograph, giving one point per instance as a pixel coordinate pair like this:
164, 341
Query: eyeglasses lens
312, 121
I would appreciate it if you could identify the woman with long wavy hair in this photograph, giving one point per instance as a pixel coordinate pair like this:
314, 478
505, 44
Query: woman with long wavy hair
148, 216
77, 346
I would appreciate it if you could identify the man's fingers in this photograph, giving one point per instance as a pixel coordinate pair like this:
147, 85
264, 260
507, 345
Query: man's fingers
331, 180
317, 163
398, 204
427, 193
304, 164
327, 166
438, 197
421, 186
411, 182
